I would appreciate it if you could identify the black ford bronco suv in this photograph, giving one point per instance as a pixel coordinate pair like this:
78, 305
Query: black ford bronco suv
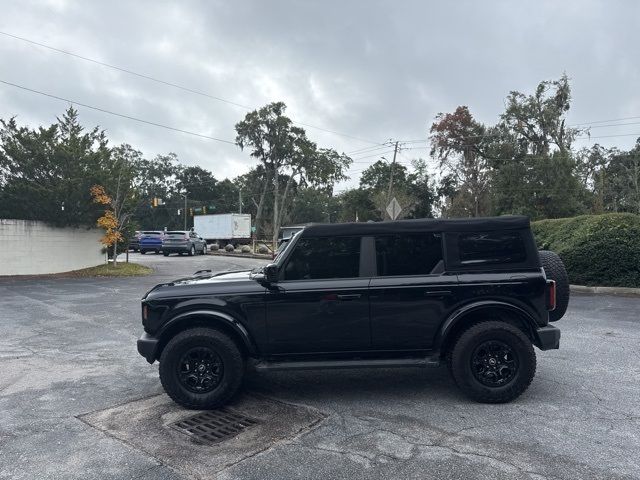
473, 293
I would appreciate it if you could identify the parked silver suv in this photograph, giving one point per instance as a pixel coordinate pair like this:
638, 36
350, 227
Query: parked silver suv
181, 241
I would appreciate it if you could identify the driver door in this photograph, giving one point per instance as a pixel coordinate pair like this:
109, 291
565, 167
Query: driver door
321, 302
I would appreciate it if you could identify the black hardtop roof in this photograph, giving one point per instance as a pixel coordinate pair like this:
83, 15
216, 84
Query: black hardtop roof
480, 224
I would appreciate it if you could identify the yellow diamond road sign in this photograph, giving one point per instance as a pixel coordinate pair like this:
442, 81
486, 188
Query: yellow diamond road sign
394, 208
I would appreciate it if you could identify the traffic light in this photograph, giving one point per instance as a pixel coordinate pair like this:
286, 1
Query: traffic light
204, 210
191, 211
154, 202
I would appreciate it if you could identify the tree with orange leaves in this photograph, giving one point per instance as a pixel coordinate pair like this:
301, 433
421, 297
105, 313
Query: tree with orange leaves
119, 198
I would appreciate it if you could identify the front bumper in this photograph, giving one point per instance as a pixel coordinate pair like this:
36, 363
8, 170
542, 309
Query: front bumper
148, 347
548, 338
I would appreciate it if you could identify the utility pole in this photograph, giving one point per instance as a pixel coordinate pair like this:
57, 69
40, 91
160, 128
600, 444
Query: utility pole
185, 210
395, 152
240, 200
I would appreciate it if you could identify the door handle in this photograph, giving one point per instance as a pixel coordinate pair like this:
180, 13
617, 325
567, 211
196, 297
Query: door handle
437, 293
351, 296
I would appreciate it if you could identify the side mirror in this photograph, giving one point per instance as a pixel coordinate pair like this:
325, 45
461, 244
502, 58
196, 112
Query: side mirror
271, 273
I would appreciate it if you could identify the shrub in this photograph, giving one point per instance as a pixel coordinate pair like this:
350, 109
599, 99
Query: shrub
245, 249
229, 248
263, 249
214, 247
596, 249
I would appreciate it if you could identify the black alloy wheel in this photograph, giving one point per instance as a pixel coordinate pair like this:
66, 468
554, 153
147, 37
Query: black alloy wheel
200, 370
494, 363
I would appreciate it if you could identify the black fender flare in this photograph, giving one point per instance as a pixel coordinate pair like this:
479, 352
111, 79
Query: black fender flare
458, 316
219, 318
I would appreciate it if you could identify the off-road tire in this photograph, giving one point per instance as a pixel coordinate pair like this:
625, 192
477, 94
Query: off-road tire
555, 270
460, 361
225, 348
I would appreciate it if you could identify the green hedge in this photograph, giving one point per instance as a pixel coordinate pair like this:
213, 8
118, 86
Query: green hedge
596, 249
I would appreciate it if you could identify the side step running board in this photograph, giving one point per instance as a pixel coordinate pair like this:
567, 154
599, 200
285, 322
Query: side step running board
334, 364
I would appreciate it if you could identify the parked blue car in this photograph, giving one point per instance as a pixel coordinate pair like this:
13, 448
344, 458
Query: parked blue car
151, 241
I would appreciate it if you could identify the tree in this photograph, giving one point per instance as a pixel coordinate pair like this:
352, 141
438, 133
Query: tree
46, 173
534, 172
314, 205
199, 184
158, 178
287, 156
267, 132
116, 217
357, 204
423, 190
457, 142
538, 120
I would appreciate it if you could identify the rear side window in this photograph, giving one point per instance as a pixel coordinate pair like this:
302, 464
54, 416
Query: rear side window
415, 254
324, 257
491, 247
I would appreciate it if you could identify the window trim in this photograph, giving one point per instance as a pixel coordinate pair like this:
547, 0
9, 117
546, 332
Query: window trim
442, 246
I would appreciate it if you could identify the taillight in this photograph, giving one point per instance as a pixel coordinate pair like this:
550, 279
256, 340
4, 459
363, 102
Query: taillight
145, 312
551, 295
186, 237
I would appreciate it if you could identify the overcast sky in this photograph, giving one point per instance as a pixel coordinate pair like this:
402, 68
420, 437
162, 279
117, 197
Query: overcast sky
373, 70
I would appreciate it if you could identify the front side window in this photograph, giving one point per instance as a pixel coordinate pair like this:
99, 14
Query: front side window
324, 257
491, 247
412, 254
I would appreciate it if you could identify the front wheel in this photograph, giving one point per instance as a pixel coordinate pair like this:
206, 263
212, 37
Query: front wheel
493, 362
201, 368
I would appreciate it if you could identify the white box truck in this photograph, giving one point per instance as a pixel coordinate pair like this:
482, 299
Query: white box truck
224, 228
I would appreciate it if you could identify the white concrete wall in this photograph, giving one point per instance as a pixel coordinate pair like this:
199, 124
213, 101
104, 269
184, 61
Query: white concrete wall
31, 248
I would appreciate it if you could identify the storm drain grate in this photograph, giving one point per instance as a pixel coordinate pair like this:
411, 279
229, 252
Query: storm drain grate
214, 426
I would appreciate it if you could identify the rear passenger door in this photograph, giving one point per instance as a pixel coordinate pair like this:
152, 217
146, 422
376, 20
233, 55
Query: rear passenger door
411, 292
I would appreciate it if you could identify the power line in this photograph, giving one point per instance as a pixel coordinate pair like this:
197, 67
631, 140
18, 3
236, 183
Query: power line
605, 121
116, 113
171, 84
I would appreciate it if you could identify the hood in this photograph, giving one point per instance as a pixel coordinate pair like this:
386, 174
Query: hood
207, 277
205, 282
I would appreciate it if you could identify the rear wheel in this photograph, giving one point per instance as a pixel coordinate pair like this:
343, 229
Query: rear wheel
201, 368
142, 252
493, 362
555, 270
192, 251
166, 254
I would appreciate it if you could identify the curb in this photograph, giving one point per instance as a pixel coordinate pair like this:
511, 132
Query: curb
605, 290
240, 255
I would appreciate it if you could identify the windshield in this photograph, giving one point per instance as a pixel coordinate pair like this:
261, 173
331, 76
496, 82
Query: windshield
152, 234
175, 234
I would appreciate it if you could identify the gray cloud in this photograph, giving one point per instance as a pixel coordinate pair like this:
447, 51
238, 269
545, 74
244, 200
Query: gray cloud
371, 69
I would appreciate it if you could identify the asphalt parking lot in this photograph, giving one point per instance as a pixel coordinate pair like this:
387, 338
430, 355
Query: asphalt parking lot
76, 401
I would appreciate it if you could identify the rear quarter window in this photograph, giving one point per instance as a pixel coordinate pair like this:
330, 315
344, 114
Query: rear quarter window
491, 248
